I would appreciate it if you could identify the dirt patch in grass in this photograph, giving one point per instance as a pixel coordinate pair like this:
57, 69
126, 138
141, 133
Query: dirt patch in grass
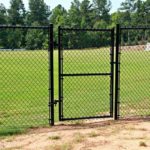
106, 135
133, 48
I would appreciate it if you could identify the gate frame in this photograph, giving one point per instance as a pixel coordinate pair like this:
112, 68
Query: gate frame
60, 76
51, 75
117, 73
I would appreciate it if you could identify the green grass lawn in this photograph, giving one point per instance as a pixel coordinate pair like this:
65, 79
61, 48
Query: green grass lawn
86, 96
135, 83
24, 86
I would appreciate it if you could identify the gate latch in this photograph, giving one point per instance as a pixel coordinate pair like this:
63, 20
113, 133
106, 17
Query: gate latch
55, 103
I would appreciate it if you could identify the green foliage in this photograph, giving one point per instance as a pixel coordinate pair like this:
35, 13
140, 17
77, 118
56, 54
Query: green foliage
16, 12
128, 6
3, 20
3, 15
14, 39
86, 14
82, 14
38, 12
58, 15
58, 18
35, 38
74, 14
102, 9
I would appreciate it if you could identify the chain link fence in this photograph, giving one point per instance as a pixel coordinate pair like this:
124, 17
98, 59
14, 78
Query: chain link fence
86, 75
24, 77
135, 72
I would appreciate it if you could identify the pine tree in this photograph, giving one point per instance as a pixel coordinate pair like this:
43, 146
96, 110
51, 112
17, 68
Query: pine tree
16, 12
38, 12
102, 9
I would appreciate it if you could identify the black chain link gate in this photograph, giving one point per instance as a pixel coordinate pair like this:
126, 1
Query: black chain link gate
86, 73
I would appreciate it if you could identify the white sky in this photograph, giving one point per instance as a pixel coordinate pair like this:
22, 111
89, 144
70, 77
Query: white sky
64, 3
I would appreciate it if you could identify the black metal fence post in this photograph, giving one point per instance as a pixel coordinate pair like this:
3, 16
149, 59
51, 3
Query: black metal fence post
116, 117
51, 76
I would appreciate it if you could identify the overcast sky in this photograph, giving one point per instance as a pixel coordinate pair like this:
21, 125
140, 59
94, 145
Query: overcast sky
64, 3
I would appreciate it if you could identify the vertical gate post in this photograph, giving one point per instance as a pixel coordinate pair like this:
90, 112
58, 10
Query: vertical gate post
59, 72
116, 117
112, 73
51, 76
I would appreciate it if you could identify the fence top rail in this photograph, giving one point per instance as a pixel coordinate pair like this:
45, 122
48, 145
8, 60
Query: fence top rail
135, 28
81, 29
22, 27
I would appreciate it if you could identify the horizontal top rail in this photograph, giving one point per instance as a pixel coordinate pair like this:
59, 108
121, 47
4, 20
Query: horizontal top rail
135, 28
80, 29
23, 27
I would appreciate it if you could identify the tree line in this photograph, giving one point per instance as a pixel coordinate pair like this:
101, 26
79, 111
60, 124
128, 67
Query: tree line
85, 14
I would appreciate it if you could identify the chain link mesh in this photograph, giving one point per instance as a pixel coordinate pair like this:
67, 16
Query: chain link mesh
24, 79
83, 53
135, 73
86, 96
24, 76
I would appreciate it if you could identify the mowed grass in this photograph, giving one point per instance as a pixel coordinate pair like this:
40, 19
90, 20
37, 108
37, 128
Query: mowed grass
86, 96
23, 90
24, 86
135, 83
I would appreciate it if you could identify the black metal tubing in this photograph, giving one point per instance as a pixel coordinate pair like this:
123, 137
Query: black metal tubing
134, 28
112, 73
86, 74
51, 77
82, 118
23, 27
79, 29
116, 115
60, 84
